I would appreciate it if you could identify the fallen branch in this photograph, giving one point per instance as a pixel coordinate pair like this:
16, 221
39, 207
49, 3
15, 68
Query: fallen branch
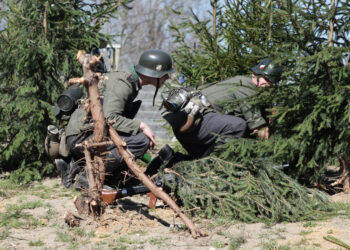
158, 192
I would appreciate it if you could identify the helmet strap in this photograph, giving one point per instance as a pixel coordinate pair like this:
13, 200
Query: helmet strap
155, 93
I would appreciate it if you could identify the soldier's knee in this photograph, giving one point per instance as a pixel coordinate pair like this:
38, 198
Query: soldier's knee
145, 142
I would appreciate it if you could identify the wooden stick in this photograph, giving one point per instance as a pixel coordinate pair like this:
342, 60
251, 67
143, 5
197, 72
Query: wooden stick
95, 144
100, 171
93, 189
331, 27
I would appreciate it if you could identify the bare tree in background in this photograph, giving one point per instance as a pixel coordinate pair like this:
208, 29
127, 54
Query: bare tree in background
145, 26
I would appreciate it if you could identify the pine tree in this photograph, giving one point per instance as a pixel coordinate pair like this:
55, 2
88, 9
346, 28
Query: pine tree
310, 106
229, 46
249, 191
38, 45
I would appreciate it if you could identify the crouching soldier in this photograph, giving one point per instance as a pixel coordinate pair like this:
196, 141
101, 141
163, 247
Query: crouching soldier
119, 90
265, 74
195, 124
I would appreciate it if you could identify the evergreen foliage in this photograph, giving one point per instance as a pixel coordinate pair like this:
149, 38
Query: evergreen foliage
251, 192
311, 39
38, 45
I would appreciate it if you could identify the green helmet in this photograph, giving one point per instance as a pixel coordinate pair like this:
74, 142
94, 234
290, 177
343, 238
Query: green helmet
269, 70
155, 63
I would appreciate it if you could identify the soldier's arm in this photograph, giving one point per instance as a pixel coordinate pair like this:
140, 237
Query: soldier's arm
251, 114
176, 120
117, 95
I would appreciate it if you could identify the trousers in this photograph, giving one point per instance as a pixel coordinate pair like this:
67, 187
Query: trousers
137, 144
202, 141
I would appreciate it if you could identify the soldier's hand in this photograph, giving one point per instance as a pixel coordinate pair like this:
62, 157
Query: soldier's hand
262, 133
149, 133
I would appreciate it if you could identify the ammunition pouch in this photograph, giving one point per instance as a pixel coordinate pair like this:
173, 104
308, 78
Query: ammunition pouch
52, 148
63, 149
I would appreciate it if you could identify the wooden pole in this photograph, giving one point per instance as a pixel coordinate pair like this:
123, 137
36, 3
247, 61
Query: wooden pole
214, 18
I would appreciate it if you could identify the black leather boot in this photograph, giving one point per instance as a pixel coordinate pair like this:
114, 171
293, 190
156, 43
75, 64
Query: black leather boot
64, 168
164, 156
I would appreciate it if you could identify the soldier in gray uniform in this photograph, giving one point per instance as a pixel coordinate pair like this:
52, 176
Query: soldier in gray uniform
241, 87
119, 91
196, 125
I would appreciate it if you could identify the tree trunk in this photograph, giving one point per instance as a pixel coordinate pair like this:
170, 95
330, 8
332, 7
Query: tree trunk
344, 179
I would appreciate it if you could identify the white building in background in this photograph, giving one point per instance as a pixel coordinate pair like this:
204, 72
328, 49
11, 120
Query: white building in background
111, 55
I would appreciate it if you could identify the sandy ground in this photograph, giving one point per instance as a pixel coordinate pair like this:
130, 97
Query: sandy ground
132, 225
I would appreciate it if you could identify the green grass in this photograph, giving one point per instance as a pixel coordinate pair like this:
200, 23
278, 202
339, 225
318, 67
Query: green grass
50, 214
4, 233
302, 242
272, 245
218, 244
38, 243
90, 234
310, 224
302, 232
160, 241
236, 242
139, 232
342, 209
104, 236
281, 230
79, 231
65, 236
127, 240
9, 185
15, 217
119, 247
220, 233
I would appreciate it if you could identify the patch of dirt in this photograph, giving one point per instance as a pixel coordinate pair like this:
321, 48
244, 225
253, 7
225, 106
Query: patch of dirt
341, 198
130, 224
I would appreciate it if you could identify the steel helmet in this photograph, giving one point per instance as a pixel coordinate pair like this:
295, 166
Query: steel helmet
155, 63
269, 70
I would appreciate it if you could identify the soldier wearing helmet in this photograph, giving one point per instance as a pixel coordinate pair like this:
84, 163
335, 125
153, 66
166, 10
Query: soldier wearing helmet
119, 91
264, 74
196, 125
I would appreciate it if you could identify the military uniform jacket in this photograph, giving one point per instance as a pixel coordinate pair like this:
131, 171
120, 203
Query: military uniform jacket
238, 87
119, 92
121, 88
79, 121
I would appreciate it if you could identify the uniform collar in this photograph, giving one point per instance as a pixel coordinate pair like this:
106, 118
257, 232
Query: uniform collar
136, 78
